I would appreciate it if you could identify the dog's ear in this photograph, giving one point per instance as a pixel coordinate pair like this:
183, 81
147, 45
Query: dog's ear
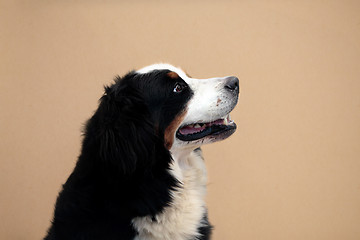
126, 136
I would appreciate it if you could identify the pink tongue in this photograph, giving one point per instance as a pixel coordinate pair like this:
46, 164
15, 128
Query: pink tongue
190, 130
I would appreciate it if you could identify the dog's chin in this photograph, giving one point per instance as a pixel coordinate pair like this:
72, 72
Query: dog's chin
206, 132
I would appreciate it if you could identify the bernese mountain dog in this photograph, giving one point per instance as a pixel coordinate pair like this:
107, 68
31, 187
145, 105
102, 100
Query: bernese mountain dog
140, 174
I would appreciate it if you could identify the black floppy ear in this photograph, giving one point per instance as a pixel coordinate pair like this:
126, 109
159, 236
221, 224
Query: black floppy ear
126, 133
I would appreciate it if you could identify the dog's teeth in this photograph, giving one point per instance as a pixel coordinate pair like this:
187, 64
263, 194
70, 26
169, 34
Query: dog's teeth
197, 126
226, 121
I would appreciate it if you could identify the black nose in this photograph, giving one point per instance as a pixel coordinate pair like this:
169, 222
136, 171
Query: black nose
232, 84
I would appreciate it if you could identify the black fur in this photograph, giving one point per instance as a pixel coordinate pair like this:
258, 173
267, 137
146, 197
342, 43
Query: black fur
205, 229
122, 171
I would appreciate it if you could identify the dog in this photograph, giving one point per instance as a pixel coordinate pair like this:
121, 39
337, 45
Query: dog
140, 174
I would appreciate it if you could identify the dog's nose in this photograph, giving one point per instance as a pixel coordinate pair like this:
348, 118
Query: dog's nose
232, 84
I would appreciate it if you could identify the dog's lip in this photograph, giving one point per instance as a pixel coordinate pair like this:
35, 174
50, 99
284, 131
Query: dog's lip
199, 130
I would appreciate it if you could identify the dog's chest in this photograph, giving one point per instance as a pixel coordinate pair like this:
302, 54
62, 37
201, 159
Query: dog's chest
182, 219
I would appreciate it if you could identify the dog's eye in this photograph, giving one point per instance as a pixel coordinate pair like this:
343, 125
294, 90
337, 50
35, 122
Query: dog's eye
178, 88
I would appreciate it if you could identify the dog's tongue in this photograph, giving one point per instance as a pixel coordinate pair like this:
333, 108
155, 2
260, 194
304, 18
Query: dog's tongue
196, 128
191, 130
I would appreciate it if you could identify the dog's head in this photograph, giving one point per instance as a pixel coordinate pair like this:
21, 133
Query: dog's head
202, 111
161, 105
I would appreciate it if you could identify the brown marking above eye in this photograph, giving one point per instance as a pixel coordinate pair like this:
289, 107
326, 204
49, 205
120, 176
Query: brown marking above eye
170, 131
173, 75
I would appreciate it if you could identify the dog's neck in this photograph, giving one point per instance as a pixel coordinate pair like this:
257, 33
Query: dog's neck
182, 219
181, 155
184, 158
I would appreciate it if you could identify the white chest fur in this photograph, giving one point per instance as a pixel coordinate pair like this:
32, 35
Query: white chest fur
182, 218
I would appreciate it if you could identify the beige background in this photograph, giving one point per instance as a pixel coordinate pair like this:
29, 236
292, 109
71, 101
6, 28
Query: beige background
291, 171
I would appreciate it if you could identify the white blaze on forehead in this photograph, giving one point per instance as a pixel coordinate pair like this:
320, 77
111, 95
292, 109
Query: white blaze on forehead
163, 66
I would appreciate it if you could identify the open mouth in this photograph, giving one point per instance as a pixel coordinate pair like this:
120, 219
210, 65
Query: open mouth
220, 127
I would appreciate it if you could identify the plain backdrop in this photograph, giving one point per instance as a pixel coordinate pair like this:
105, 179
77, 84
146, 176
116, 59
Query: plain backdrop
292, 169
